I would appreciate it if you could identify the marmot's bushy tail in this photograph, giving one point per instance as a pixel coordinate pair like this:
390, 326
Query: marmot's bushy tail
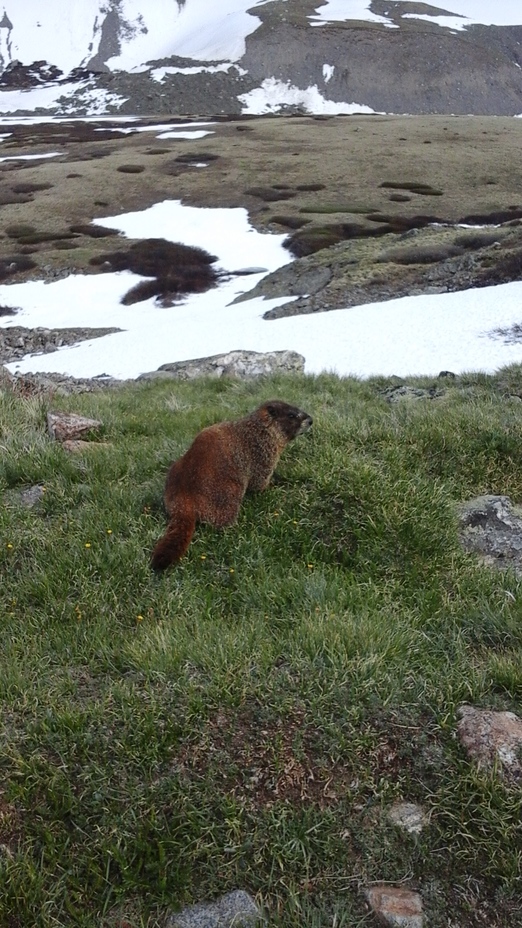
175, 541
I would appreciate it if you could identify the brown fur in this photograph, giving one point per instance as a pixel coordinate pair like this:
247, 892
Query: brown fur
225, 460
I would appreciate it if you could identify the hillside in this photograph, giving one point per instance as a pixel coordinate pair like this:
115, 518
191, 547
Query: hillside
253, 718
255, 57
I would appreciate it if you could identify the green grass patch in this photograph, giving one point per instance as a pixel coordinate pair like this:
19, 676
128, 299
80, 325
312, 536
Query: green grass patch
246, 719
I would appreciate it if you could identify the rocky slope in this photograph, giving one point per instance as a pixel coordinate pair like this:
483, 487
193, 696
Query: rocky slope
279, 60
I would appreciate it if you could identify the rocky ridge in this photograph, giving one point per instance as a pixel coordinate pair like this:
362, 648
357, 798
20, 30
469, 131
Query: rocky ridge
473, 71
436, 258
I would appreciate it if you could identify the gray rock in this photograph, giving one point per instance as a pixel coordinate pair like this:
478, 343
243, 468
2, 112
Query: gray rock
409, 816
234, 910
403, 391
491, 526
396, 906
6, 378
19, 341
69, 427
242, 364
295, 279
31, 496
492, 739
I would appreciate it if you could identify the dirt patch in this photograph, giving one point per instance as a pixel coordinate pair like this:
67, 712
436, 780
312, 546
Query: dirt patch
266, 760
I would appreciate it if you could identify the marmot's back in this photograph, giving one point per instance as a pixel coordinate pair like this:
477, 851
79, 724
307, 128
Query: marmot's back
209, 481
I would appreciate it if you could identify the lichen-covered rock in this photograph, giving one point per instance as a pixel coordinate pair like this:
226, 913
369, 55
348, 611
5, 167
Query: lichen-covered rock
395, 906
491, 526
492, 739
409, 816
242, 364
234, 910
404, 391
64, 426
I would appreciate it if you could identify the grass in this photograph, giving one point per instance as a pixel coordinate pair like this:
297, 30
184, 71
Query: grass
246, 720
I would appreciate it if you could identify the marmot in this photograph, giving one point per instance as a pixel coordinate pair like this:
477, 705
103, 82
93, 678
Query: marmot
225, 460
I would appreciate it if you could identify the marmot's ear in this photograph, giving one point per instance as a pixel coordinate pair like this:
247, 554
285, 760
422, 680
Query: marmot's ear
271, 410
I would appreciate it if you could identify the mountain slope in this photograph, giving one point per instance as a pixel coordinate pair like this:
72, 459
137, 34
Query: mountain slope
257, 56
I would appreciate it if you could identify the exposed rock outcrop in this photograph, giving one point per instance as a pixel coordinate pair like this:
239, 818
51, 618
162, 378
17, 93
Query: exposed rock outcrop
491, 526
234, 364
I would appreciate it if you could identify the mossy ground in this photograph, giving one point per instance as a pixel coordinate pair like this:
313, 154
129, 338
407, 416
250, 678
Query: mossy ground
246, 719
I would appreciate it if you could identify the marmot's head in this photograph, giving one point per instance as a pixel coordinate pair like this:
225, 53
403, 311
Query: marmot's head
290, 420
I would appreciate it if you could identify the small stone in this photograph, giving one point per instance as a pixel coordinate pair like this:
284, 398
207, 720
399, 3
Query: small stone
409, 816
234, 910
396, 906
492, 739
31, 496
69, 426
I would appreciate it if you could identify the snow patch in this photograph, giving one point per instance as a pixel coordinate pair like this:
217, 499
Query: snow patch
51, 154
193, 134
335, 11
75, 96
273, 95
445, 22
328, 72
159, 74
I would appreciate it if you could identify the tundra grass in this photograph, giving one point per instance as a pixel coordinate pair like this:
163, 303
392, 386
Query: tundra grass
246, 720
